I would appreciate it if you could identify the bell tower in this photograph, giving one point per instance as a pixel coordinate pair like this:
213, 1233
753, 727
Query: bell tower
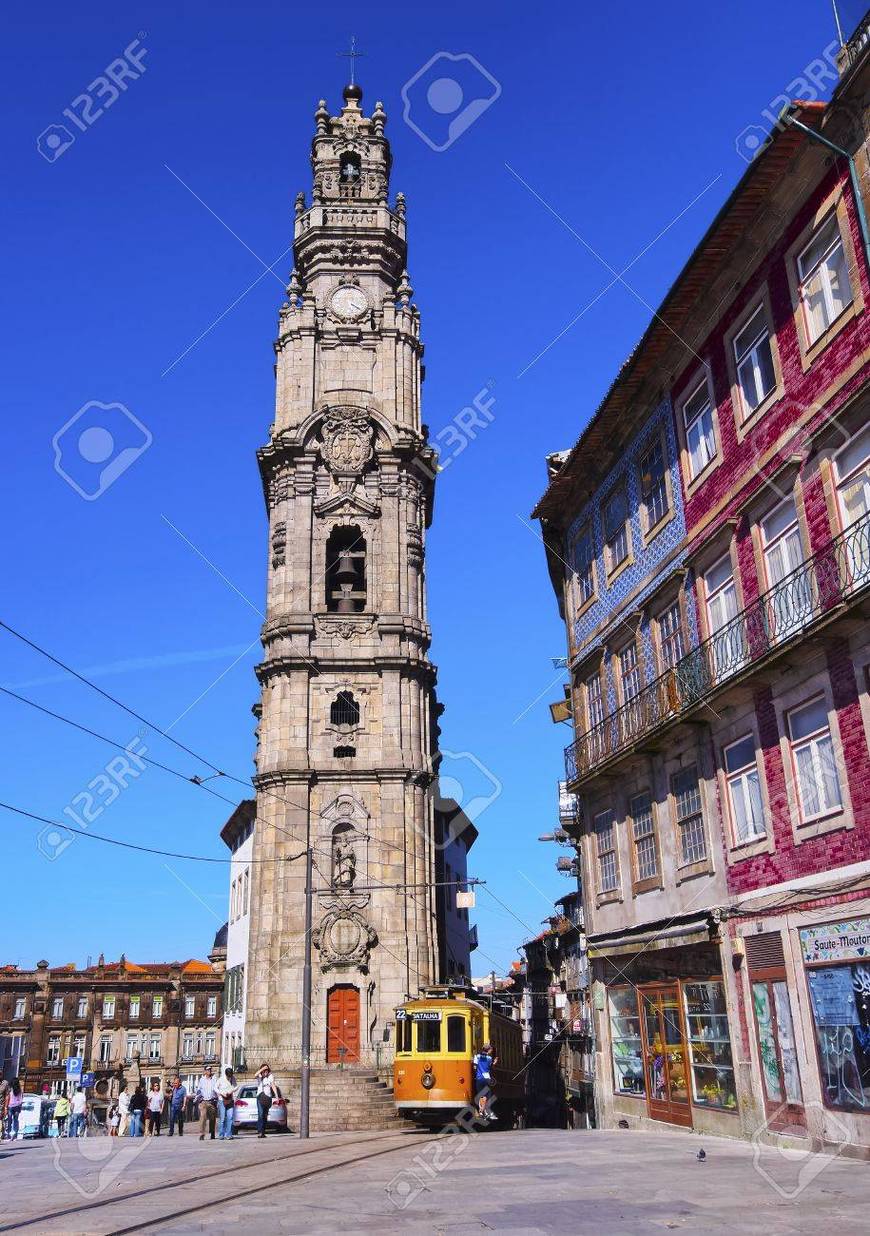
348, 731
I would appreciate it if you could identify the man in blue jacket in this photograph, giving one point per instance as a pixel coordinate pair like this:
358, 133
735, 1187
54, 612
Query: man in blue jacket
177, 1100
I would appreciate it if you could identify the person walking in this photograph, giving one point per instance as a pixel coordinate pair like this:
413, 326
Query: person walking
155, 1109
79, 1107
123, 1111
138, 1103
114, 1121
267, 1090
206, 1094
61, 1113
4, 1104
177, 1101
226, 1089
16, 1098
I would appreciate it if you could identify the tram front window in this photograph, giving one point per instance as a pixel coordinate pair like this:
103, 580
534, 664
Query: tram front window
455, 1033
428, 1036
404, 1036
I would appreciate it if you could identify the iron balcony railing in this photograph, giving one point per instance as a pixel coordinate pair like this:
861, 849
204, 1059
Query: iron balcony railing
818, 586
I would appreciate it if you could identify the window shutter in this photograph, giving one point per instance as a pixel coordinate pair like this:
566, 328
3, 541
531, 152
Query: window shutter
764, 951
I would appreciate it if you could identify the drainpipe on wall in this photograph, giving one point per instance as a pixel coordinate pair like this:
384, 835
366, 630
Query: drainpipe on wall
787, 117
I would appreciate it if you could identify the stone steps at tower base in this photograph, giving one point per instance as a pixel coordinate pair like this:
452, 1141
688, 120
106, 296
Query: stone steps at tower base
344, 1101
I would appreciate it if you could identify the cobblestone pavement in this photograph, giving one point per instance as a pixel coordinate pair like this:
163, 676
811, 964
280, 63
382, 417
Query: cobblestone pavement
539, 1181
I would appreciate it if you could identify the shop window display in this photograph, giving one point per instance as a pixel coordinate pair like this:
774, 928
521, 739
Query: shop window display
841, 1011
712, 1070
626, 1041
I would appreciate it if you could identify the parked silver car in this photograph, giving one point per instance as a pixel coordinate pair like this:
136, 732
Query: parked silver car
245, 1110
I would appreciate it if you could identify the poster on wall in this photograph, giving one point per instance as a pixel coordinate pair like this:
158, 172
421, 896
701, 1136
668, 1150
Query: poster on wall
833, 997
837, 941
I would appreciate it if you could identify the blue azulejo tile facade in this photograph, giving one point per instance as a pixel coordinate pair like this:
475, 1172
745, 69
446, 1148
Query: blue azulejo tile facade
651, 563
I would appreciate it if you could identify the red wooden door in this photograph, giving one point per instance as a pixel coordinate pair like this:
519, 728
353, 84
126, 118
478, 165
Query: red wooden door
342, 1022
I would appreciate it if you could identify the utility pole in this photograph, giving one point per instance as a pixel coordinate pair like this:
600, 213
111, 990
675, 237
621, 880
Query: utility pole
306, 998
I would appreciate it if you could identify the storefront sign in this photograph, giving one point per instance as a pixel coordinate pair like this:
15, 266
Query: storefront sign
837, 941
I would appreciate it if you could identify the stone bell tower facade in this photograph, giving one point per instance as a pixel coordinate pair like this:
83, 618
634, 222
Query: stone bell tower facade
348, 730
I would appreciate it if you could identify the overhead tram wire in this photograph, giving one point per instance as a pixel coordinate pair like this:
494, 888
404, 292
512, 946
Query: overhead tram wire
246, 784
194, 780
105, 694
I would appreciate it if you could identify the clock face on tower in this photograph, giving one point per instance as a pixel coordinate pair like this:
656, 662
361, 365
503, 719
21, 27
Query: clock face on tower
348, 303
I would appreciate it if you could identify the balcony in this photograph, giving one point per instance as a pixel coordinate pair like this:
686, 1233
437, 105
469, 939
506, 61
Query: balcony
784, 614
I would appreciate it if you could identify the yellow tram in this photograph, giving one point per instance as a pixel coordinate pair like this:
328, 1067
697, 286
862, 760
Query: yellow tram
437, 1036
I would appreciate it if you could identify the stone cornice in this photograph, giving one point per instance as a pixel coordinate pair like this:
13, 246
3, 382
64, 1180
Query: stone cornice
410, 667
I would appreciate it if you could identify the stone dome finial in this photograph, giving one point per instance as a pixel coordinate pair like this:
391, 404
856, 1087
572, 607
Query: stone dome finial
321, 116
352, 91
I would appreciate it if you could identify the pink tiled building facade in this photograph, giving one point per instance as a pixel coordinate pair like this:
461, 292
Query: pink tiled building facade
716, 611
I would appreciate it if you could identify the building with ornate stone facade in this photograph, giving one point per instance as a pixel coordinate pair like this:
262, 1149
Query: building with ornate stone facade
716, 602
125, 1021
348, 720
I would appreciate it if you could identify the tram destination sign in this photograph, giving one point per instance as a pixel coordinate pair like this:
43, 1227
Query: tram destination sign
427, 1015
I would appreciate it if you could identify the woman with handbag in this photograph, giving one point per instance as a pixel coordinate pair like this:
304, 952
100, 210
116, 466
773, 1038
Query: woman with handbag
266, 1092
226, 1089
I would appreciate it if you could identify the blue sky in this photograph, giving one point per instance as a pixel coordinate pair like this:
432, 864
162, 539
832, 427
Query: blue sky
611, 144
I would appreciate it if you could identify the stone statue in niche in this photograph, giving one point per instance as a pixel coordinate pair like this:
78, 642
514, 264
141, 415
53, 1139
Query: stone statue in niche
343, 861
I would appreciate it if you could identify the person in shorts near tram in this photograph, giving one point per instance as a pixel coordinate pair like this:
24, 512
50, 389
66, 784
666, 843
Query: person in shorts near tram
484, 1063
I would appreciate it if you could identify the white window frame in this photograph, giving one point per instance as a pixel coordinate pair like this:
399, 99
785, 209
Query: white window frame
595, 711
621, 537
154, 1046
211, 1006
822, 268
246, 879
846, 479
189, 1006
750, 353
682, 821
108, 1006
105, 1048
648, 834
20, 1008
82, 1007
135, 1007
814, 742
78, 1048
157, 1006
585, 570
653, 519
57, 1008
737, 785
708, 435
52, 1049
608, 852
630, 678
670, 637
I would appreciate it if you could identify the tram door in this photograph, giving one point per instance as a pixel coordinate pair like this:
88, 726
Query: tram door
665, 1056
342, 1025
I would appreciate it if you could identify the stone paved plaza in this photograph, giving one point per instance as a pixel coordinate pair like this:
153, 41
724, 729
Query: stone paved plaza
539, 1181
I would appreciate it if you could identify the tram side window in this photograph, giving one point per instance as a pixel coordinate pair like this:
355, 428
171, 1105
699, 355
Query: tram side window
428, 1036
455, 1033
404, 1036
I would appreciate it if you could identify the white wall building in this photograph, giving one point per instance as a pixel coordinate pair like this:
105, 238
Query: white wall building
238, 835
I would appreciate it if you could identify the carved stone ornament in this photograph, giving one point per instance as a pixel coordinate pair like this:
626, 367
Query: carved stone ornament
347, 444
344, 938
344, 626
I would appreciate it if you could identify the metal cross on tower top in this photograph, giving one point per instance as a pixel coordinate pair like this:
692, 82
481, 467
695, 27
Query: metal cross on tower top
353, 55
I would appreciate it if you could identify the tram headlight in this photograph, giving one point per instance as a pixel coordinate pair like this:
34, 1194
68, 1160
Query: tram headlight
428, 1078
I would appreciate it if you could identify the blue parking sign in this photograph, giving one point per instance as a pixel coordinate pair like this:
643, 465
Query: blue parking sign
73, 1066
87, 1080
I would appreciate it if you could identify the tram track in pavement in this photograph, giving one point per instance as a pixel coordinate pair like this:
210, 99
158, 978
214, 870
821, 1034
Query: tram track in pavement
108, 1222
